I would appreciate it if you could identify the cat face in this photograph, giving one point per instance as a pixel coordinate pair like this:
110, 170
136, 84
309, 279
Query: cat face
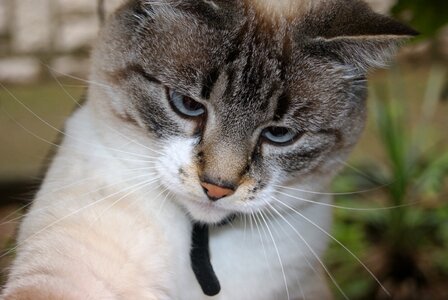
241, 99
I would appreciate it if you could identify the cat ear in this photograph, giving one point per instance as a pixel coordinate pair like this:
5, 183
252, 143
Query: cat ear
352, 33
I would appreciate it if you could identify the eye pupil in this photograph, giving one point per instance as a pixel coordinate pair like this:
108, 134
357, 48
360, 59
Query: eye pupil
185, 106
191, 104
279, 135
278, 131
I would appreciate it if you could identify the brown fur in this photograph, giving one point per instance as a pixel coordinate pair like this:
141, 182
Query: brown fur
253, 66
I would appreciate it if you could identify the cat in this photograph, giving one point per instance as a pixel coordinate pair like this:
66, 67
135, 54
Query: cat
202, 111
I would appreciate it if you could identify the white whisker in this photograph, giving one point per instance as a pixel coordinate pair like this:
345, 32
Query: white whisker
245, 226
5, 220
337, 241
75, 149
251, 223
364, 174
167, 191
312, 251
262, 241
112, 129
278, 255
63, 218
303, 254
64, 89
145, 184
63, 133
77, 78
66, 217
346, 207
39, 210
335, 194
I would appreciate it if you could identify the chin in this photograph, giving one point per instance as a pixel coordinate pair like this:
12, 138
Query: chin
207, 213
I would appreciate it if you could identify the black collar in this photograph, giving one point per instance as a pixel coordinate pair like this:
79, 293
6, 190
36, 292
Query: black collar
200, 257
200, 260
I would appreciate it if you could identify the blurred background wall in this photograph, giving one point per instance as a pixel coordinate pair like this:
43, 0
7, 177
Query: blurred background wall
57, 32
35, 35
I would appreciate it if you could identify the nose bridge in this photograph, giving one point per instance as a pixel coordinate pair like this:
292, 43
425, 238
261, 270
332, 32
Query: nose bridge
224, 160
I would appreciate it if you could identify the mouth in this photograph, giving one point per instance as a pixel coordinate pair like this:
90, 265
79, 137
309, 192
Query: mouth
207, 212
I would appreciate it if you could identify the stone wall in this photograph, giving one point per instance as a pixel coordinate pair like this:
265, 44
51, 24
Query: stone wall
38, 34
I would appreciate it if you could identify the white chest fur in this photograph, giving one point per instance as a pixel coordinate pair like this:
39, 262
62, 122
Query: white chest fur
134, 245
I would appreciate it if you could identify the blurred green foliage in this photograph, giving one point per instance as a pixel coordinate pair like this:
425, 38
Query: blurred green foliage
405, 245
427, 16
29, 143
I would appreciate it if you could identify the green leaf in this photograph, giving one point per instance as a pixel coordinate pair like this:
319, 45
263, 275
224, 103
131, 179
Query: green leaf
432, 178
426, 16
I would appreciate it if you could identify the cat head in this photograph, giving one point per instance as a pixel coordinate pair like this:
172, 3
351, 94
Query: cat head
240, 95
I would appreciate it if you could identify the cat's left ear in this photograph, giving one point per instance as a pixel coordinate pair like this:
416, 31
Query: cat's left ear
357, 36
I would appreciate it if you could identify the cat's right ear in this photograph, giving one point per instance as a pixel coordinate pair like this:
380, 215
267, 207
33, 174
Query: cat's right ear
144, 7
350, 32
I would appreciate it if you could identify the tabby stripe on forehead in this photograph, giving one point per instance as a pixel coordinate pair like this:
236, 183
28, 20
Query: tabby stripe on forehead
282, 107
141, 9
237, 42
209, 83
233, 54
139, 69
132, 69
285, 58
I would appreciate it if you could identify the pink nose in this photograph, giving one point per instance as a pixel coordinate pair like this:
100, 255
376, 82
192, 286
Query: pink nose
215, 192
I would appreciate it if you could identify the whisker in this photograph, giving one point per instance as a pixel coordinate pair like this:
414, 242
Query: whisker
265, 234
360, 172
36, 211
335, 194
112, 129
251, 222
63, 133
52, 70
145, 184
245, 226
73, 148
23, 207
158, 186
348, 207
75, 85
278, 255
5, 220
262, 241
312, 251
126, 171
306, 258
275, 231
66, 217
166, 190
337, 241
65, 90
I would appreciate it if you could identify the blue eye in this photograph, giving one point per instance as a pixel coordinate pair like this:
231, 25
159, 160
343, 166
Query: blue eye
185, 106
279, 135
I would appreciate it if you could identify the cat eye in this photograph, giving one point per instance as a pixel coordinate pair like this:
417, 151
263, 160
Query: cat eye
279, 135
185, 106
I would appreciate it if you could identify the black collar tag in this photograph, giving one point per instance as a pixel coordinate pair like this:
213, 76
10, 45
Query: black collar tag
200, 261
